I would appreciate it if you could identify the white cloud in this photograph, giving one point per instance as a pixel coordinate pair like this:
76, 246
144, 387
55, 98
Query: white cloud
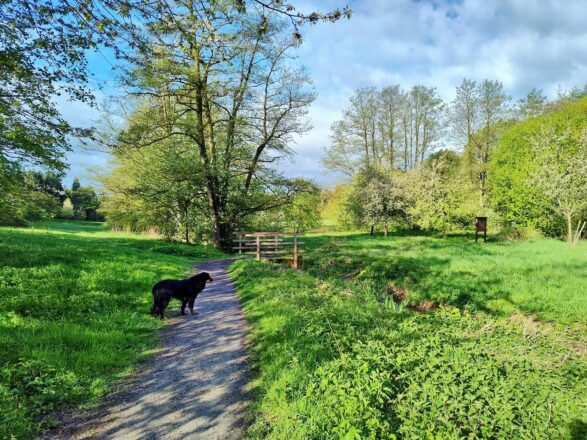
523, 43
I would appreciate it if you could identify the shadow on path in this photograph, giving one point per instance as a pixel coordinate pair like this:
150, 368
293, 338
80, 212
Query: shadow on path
194, 388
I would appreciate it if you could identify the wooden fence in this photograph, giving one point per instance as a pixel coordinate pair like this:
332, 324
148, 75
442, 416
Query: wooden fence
270, 246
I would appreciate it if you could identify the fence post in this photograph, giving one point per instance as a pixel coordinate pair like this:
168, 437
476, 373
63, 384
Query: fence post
295, 261
258, 248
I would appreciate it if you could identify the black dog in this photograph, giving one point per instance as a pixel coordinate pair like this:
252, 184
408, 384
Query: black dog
184, 290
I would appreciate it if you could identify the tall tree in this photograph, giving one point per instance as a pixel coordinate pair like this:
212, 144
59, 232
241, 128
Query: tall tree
533, 104
43, 46
385, 128
494, 111
391, 103
464, 112
223, 83
562, 174
422, 125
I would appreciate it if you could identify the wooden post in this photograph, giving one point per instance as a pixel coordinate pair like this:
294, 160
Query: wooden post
295, 261
258, 248
276, 243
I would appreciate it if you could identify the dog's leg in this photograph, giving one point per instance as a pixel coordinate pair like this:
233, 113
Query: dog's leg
191, 305
183, 304
163, 306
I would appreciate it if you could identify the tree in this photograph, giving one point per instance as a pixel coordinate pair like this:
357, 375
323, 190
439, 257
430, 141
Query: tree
494, 111
223, 84
302, 214
377, 198
464, 112
385, 129
42, 56
355, 139
444, 197
385, 198
422, 124
391, 103
354, 206
562, 174
49, 183
28, 195
84, 201
159, 187
75, 185
341, 155
515, 164
533, 104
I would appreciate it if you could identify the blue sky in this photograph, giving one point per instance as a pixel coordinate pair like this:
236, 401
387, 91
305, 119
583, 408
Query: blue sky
523, 43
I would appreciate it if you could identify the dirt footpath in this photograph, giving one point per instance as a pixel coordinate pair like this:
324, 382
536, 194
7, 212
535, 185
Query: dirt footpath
195, 387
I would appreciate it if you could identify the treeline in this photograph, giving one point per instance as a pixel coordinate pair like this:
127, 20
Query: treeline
34, 195
417, 162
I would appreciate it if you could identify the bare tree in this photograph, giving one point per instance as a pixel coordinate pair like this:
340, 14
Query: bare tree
493, 109
385, 129
464, 112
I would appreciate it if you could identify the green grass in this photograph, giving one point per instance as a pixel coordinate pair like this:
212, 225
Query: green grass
74, 303
544, 277
334, 357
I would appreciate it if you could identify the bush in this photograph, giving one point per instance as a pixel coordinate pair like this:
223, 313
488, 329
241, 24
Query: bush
67, 212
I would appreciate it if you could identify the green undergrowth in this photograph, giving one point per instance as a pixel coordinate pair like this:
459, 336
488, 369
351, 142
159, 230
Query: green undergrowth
542, 277
74, 303
334, 357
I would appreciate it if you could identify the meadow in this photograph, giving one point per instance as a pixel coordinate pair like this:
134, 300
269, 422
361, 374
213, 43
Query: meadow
74, 303
489, 341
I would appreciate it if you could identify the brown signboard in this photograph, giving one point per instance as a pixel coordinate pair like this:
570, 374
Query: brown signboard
481, 226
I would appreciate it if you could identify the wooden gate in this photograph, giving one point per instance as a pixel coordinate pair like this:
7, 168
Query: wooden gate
271, 246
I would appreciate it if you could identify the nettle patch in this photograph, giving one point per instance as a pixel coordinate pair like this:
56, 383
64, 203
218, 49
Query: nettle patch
341, 363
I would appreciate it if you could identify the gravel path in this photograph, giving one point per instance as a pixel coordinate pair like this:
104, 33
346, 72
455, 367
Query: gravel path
195, 388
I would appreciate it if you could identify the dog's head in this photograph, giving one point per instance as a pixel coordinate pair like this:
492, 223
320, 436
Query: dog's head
203, 277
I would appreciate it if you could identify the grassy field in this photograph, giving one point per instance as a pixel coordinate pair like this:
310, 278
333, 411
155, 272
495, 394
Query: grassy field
544, 277
74, 303
503, 356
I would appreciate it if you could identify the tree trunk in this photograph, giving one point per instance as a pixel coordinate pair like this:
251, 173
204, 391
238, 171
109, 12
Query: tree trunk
385, 230
372, 229
569, 228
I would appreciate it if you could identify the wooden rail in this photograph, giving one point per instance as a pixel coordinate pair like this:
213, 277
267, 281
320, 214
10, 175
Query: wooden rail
269, 245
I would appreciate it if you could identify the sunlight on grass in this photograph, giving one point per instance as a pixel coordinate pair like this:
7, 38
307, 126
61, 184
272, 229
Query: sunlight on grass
74, 302
545, 277
335, 357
